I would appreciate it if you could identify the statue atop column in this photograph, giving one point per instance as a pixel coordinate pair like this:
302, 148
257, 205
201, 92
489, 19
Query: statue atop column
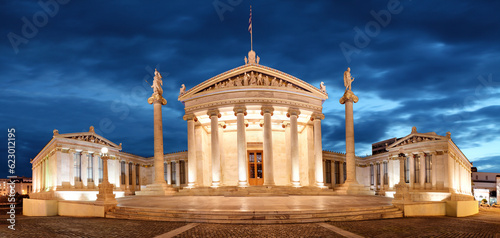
348, 79
157, 83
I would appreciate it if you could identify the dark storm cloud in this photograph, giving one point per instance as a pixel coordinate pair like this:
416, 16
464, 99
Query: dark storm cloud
89, 63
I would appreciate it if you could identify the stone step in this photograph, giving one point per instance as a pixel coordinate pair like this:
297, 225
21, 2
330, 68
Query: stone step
257, 217
263, 219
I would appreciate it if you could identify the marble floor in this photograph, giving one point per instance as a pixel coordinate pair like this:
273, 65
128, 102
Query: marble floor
282, 203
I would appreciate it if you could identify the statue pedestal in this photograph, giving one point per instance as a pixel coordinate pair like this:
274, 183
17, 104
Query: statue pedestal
105, 197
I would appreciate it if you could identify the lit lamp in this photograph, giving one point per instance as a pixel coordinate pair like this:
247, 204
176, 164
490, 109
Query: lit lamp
105, 197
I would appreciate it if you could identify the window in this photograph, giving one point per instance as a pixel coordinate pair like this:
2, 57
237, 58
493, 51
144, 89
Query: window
130, 178
407, 170
378, 174
173, 173
123, 172
182, 171
486, 177
337, 172
416, 163
100, 166
77, 165
165, 171
428, 168
137, 176
345, 172
371, 174
90, 168
386, 175
476, 177
328, 171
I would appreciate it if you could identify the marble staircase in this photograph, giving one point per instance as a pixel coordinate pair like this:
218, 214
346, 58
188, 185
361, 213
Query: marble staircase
256, 191
257, 217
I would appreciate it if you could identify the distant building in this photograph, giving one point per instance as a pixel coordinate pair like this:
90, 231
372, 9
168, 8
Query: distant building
485, 183
23, 186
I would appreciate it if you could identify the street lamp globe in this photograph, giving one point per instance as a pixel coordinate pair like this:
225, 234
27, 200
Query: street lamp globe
104, 150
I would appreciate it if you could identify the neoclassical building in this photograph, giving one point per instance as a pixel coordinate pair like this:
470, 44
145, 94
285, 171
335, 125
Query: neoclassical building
254, 126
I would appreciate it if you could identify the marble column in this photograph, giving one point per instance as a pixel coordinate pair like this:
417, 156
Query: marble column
375, 174
157, 100
422, 170
318, 149
341, 172
412, 170
222, 163
267, 112
433, 170
169, 173
382, 175
178, 173
241, 144
294, 144
214, 131
348, 99
451, 173
127, 178
71, 164
191, 119
332, 168
134, 173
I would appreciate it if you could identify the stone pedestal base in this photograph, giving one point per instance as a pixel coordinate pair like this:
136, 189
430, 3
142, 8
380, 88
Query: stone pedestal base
354, 189
105, 197
156, 190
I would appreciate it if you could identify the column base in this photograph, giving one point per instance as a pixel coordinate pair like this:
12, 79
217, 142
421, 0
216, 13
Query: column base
354, 188
191, 185
321, 185
215, 184
156, 190
242, 184
296, 184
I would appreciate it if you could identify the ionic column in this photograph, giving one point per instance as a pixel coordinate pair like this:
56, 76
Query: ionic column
178, 173
267, 112
451, 173
241, 144
127, 177
412, 170
134, 173
422, 170
402, 159
71, 168
294, 144
332, 168
221, 127
341, 172
157, 100
318, 149
84, 168
375, 175
433, 170
169, 173
191, 119
382, 175
214, 131
349, 99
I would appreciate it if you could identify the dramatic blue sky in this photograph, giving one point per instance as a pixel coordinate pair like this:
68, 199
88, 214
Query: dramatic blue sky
430, 64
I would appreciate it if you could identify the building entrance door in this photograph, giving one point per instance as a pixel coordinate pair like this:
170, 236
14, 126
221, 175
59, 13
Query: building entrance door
255, 168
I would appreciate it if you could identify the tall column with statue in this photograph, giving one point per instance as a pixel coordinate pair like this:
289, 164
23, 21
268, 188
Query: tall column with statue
159, 186
351, 185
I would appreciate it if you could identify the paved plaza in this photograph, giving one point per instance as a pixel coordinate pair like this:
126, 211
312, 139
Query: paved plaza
484, 224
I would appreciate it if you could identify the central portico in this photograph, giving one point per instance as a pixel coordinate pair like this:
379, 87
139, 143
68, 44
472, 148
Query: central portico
254, 125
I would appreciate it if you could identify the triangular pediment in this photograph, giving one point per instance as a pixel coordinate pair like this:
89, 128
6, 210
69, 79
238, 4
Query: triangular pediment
253, 76
89, 137
416, 138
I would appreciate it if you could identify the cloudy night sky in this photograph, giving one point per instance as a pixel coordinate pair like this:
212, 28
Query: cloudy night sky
427, 64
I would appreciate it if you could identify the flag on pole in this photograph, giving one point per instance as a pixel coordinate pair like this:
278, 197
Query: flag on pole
250, 21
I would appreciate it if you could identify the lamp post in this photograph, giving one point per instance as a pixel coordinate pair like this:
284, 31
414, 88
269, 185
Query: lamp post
105, 197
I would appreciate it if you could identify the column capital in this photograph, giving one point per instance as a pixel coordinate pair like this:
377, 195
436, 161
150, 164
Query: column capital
189, 117
348, 96
240, 109
266, 109
157, 98
246, 123
222, 124
285, 124
293, 112
214, 112
317, 116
